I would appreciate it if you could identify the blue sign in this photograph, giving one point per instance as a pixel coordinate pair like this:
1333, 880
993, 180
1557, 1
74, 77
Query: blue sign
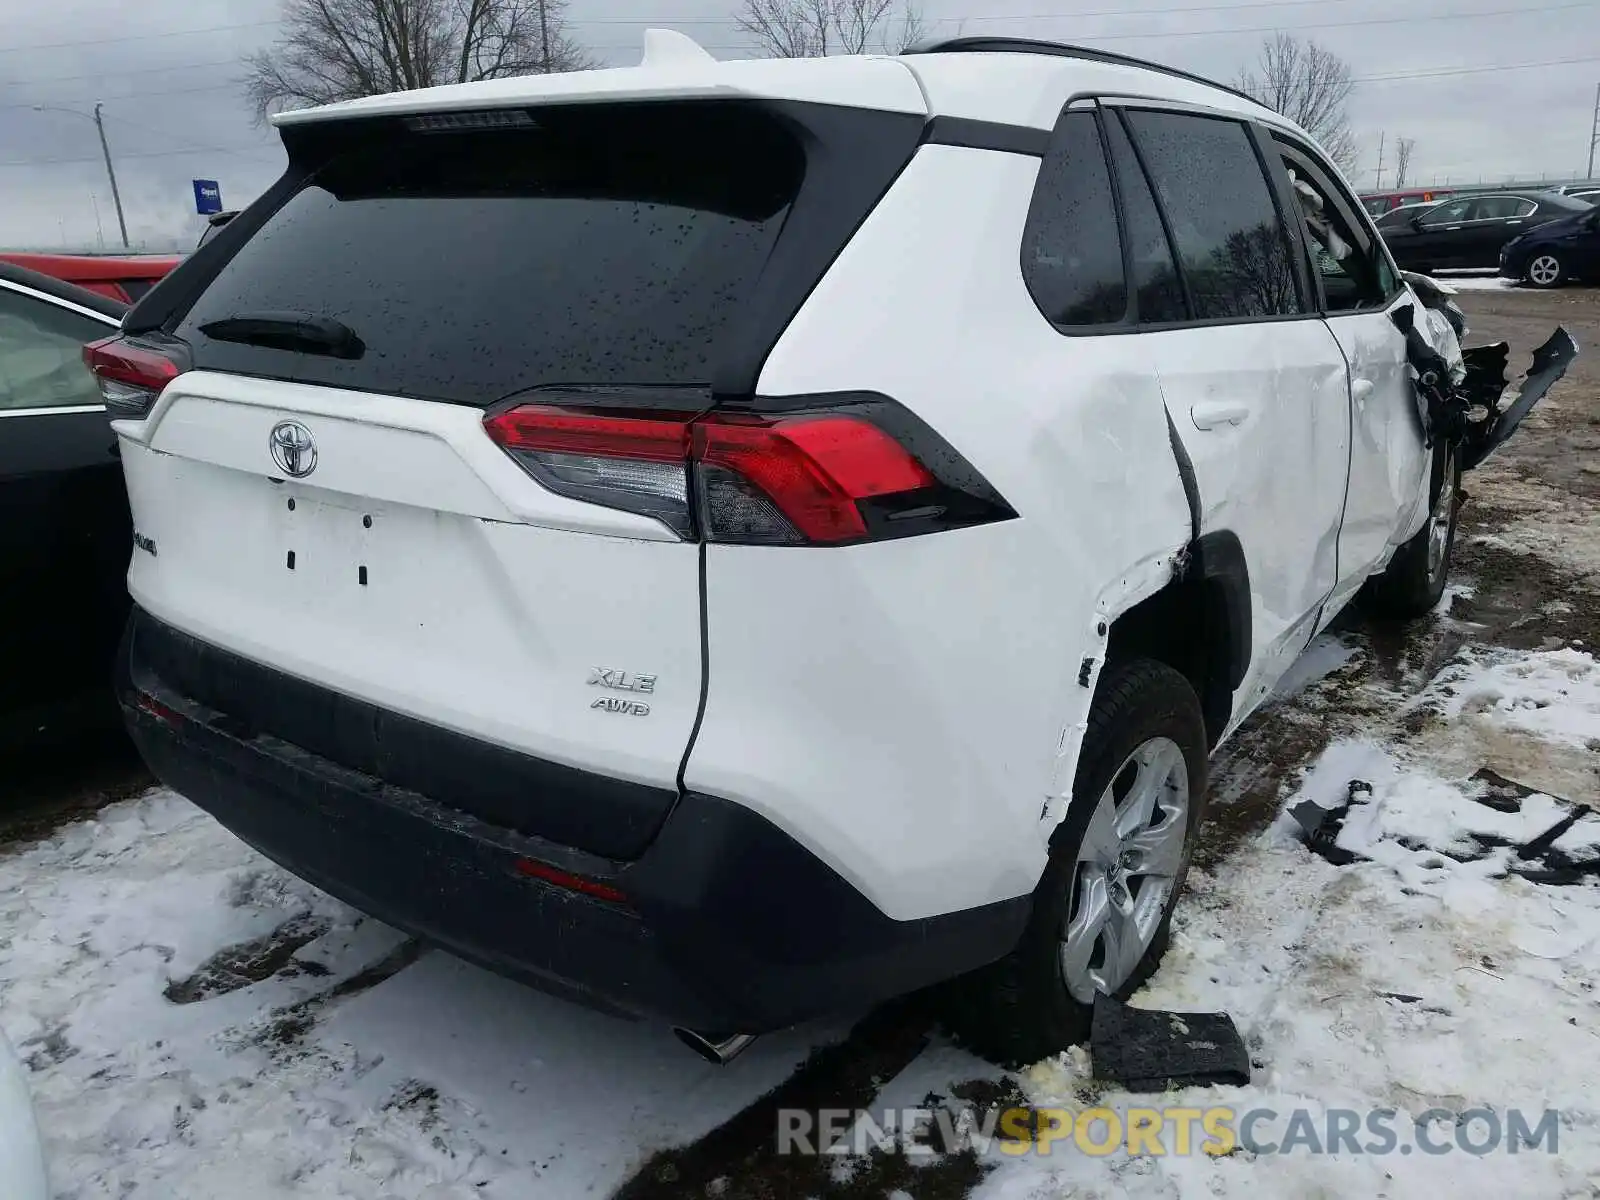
207, 197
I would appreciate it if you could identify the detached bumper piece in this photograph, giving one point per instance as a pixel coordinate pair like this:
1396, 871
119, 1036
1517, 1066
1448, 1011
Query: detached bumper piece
1475, 413
1486, 375
722, 922
1147, 1050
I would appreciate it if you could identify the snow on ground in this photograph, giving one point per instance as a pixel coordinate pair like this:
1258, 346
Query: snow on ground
199, 1024
439, 1081
1423, 975
1427, 974
1474, 282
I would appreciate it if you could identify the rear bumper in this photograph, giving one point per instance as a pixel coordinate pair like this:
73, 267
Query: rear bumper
730, 925
1514, 263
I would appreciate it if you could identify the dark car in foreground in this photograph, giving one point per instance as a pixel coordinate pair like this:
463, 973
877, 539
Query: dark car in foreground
1468, 231
64, 525
1556, 252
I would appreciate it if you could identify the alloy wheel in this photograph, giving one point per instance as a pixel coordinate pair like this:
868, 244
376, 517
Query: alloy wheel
1545, 270
1128, 864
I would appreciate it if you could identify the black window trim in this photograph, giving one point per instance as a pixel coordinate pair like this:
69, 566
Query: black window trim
973, 134
23, 289
1356, 218
1119, 115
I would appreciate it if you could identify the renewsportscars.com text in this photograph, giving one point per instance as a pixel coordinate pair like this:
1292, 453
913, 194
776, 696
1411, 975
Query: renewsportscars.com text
1180, 1131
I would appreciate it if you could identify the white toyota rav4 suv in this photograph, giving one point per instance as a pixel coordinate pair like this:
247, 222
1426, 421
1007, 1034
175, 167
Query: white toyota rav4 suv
728, 541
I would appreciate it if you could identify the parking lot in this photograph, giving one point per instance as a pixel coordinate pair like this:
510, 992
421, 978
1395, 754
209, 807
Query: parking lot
199, 1023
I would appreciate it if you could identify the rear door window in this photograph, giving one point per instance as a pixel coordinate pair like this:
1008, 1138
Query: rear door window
1232, 243
601, 245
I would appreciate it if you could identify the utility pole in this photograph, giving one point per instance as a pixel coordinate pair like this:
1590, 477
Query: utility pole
1379, 185
1594, 132
544, 33
116, 196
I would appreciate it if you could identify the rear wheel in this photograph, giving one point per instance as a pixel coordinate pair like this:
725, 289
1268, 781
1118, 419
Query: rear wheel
1414, 581
1546, 270
1102, 910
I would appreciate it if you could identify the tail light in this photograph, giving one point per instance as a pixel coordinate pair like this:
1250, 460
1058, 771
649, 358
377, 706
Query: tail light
827, 474
131, 374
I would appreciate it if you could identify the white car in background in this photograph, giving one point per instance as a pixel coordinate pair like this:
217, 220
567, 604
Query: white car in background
22, 1173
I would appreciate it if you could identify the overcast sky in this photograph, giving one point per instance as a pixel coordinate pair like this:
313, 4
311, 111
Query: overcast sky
167, 72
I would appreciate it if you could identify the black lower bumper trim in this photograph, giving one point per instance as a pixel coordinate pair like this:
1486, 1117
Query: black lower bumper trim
729, 924
612, 817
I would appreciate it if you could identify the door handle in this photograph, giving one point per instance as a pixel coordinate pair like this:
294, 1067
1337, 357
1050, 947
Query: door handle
1209, 416
1360, 390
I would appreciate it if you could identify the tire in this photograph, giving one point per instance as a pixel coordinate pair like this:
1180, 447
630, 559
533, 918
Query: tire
1145, 727
1545, 270
1414, 581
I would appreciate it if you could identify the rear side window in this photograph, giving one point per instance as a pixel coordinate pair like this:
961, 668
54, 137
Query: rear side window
1072, 253
603, 245
1218, 203
1496, 208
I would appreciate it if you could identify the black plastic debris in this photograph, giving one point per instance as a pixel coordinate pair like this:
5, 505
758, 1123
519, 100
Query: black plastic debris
1538, 860
1322, 825
1145, 1050
1550, 363
1501, 794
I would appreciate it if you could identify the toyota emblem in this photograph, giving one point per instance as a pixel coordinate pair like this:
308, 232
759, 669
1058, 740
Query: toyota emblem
293, 449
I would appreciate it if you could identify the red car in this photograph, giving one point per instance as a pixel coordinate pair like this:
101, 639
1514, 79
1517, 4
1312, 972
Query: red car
1378, 203
126, 279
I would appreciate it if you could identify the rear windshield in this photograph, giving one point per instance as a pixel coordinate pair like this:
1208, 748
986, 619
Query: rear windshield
594, 246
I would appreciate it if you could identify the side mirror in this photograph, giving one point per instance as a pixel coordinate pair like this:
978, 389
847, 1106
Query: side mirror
1416, 220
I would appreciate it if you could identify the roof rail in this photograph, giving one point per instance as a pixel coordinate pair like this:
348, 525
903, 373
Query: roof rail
1015, 45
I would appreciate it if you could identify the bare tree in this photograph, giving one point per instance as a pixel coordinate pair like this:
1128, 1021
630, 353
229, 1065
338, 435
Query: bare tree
814, 28
1310, 85
1404, 148
342, 49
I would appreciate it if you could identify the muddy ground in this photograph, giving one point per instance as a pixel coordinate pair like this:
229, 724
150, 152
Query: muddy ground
1528, 569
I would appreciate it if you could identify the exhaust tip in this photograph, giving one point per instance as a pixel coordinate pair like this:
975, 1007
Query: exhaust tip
715, 1048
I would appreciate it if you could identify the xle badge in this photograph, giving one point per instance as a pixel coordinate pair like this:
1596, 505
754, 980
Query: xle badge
622, 681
